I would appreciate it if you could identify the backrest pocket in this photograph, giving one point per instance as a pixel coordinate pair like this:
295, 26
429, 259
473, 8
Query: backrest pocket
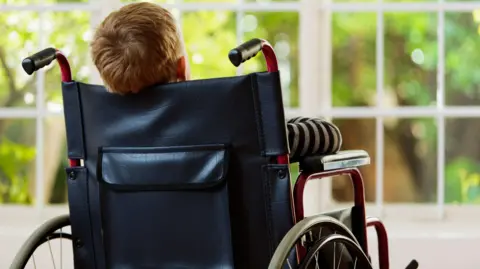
165, 207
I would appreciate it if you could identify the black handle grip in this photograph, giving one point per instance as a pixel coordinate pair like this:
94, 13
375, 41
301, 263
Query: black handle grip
412, 265
245, 51
39, 60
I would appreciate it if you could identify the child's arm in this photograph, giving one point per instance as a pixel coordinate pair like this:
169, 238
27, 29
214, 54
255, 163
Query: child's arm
308, 136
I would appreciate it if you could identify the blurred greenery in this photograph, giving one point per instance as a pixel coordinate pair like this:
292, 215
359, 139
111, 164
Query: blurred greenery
410, 80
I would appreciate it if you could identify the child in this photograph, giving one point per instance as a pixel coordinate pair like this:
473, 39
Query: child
139, 45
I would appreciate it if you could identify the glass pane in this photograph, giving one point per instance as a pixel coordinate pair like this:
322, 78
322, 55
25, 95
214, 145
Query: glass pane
357, 134
462, 73
281, 30
353, 59
70, 32
209, 36
55, 160
410, 164
19, 39
410, 59
462, 161
17, 161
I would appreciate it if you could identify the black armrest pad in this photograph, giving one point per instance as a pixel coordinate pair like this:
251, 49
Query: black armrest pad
340, 160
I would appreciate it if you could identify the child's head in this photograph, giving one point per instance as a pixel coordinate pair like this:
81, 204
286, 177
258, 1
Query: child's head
138, 46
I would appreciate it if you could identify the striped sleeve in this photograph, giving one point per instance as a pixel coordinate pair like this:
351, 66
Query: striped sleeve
312, 137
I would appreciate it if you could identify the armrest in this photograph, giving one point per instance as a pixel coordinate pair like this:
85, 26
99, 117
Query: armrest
340, 160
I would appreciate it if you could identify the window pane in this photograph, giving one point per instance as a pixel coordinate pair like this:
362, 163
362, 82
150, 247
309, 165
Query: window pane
17, 161
462, 161
19, 39
70, 32
410, 59
353, 59
209, 36
55, 160
462, 73
281, 30
410, 164
357, 134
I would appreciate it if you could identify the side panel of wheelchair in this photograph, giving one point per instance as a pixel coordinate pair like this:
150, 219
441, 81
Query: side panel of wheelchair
196, 175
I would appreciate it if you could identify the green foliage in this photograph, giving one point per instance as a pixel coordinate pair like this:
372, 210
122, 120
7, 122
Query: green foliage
14, 159
68, 31
462, 182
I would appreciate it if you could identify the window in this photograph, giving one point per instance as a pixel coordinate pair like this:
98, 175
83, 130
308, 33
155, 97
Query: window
399, 78
32, 143
402, 88
32, 136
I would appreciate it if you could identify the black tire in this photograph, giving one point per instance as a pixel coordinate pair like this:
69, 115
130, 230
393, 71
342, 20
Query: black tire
354, 250
41, 235
302, 228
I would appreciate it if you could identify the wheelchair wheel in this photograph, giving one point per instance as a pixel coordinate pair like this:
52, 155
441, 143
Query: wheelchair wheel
323, 242
351, 255
40, 242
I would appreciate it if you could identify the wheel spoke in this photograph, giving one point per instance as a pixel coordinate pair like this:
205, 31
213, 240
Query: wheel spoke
289, 265
317, 244
334, 251
340, 259
51, 253
61, 248
33, 259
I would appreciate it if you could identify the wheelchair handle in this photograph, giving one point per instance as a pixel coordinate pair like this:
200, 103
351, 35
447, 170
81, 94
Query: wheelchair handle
39, 60
249, 49
245, 51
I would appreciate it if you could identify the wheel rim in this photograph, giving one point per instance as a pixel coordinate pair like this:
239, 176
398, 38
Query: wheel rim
56, 229
302, 234
50, 252
346, 244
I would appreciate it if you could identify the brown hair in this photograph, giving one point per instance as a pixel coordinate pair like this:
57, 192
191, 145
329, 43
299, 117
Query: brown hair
135, 47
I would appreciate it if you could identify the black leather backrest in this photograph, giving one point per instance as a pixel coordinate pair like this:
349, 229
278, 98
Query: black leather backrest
244, 113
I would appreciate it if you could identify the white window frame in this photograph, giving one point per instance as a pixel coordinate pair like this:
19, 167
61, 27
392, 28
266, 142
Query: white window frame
437, 211
315, 86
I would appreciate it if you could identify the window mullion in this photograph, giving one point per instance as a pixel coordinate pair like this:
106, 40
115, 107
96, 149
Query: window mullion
441, 116
240, 33
379, 158
315, 76
40, 130
100, 12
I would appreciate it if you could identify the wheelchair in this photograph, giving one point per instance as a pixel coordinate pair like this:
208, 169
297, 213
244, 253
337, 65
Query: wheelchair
196, 174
